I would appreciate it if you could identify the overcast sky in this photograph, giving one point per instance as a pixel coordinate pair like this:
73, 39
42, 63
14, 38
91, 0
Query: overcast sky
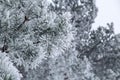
108, 11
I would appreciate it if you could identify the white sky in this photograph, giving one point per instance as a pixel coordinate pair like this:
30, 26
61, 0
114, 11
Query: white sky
108, 11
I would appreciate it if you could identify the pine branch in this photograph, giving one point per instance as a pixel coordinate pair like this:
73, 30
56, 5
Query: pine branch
20, 26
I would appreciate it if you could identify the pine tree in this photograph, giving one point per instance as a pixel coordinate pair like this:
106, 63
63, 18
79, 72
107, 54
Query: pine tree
53, 40
33, 32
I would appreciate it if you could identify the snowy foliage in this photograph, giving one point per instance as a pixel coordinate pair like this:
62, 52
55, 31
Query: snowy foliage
43, 33
7, 68
53, 40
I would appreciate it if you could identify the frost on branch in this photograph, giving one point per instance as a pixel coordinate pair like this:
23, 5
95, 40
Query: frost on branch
7, 68
33, 31
52, 40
